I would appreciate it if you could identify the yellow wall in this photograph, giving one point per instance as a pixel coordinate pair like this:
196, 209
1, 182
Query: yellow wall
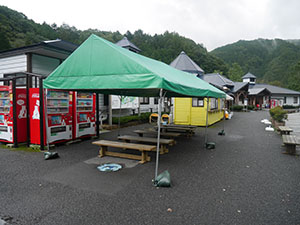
185, 114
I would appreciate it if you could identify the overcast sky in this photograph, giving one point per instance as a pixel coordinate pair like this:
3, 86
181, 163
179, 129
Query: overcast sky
213, 23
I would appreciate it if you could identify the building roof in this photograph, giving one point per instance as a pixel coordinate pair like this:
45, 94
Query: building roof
54, 48
218, 80
185, 63
239, 85
275, 89
249, 75
125, 43
257, 91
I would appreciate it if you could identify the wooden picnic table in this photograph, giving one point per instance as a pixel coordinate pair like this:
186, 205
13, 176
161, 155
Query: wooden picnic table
188, 131
104, 144
163, 142
284, 130
290, 141
154, 133
179, 125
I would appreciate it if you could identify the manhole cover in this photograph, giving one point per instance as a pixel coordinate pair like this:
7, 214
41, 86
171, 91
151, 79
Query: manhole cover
109, 167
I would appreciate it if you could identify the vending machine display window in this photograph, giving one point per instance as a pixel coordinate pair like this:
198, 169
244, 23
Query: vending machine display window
84, 102
82, 117
4, 102
57, 102
2, 119
55, 120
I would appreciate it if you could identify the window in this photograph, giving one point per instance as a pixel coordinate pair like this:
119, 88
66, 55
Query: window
144, 100
197, 102
156, 100
213, 103
284, 100
295, 100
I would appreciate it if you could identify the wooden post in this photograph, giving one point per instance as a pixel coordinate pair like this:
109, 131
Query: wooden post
15, 123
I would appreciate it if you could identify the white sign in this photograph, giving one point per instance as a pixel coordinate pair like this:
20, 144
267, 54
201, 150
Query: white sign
127, 102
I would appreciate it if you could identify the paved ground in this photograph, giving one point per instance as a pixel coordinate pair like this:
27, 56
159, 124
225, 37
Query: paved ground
245, 180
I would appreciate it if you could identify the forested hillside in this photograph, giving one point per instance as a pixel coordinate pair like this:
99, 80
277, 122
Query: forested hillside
272, 61
17, 30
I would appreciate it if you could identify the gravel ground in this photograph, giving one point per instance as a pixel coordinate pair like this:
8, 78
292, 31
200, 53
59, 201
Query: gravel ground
245, 180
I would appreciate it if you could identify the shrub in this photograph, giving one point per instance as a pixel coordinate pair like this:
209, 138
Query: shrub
290, 107
237, 108
278, 114
125, 119
250, 107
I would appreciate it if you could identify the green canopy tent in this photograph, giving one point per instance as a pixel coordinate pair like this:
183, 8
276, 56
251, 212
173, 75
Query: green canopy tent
100, 66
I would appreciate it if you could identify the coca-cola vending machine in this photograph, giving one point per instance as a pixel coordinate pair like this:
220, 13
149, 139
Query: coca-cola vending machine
58, 107
6, 114
84, 124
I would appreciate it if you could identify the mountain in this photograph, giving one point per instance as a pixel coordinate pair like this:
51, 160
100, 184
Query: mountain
272, 61
16, 30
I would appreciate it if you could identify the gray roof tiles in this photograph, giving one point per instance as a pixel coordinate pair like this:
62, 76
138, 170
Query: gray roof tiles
125, 43
275, 89
185, 63
249, 75
217, 80
238, 86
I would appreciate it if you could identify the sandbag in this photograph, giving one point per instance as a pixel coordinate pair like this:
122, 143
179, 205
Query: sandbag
163, 179
210, 145
50, 155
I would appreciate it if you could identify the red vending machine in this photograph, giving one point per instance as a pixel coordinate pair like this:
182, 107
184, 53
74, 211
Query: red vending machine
6, 114
84, 114
59, 116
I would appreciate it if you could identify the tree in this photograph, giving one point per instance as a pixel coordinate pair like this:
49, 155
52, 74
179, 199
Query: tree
294, 78
235, 72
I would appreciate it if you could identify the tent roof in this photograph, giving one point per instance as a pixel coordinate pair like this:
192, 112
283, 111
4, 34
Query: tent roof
103, 67
185, 63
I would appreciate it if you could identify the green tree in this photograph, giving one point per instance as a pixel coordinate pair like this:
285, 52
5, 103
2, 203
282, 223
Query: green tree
235, 72
294, 79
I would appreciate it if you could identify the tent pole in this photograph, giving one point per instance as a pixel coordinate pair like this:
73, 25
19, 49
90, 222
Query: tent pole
158, 132
207, 104
224, 115
120, 97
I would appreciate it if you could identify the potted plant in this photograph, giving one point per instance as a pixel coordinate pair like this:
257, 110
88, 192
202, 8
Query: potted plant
278, 115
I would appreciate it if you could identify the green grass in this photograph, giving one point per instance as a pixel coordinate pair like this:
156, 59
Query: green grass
21, 148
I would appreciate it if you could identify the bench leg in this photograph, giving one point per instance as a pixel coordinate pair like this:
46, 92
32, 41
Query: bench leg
291, 149
144, 157
102, 151
164, 149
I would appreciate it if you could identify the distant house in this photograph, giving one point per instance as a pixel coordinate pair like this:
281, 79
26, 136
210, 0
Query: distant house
41, 58
270, 95
238, 90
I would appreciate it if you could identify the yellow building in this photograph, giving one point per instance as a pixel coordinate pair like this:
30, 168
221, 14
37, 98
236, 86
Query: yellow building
192, 111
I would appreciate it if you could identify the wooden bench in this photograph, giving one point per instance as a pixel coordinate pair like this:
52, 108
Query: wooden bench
104, 144
187, 131
290, 141
284, 130
154, 133
163, 142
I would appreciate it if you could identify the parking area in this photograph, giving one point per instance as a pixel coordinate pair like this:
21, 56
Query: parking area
244, 180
